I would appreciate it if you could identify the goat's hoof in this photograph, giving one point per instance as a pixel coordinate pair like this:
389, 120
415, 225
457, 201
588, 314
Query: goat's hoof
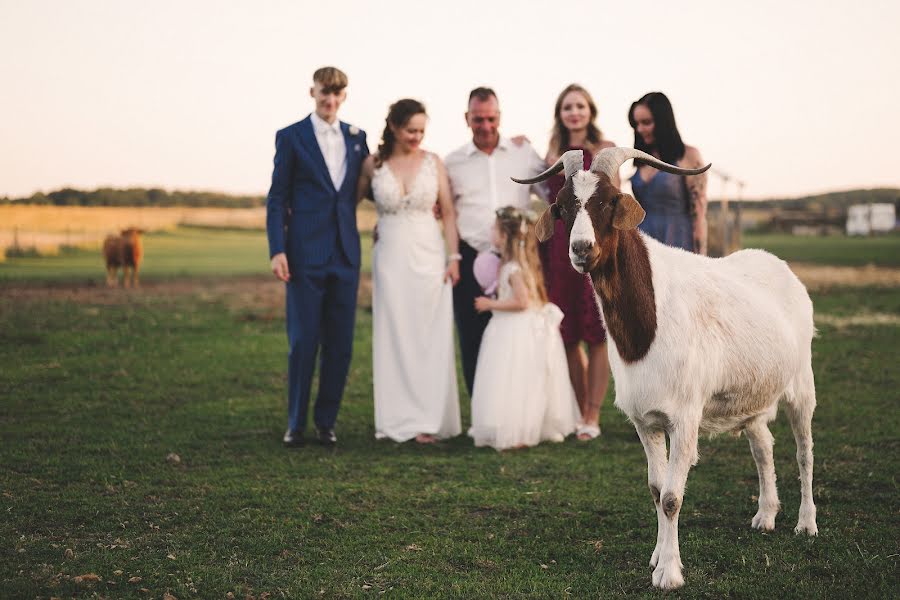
808, 528
668, 577
806, 521
764, 521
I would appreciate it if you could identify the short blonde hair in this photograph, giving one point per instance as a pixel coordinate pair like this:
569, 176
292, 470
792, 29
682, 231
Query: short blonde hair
331, 78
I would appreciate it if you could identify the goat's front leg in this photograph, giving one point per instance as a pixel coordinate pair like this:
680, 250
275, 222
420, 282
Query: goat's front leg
761, 442
654, 442
682, 455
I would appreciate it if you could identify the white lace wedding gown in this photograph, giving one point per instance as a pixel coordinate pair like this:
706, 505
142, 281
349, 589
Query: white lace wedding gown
522, 393
412, 306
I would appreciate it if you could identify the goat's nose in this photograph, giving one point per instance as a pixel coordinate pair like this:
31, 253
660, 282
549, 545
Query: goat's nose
582, 247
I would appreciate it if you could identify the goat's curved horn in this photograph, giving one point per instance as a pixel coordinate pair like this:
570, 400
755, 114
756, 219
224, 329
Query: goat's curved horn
609, 160
572, 161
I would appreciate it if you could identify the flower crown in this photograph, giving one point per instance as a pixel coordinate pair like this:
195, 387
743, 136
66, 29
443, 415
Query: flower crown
511, 213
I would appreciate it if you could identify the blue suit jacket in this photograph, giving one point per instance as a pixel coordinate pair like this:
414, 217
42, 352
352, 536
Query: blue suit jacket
306, 217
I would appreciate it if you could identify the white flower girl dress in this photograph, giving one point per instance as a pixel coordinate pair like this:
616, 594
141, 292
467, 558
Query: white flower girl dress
522, 393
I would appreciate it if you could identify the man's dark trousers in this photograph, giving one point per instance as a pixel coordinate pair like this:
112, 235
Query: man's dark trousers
470, 324
321, 309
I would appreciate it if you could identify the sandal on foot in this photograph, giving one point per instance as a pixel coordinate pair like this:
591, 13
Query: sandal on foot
585, 432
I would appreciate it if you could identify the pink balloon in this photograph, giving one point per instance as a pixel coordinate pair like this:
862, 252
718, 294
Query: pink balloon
486, 269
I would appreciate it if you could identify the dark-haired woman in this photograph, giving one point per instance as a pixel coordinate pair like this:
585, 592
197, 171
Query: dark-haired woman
414, 373
675, 205
575, 128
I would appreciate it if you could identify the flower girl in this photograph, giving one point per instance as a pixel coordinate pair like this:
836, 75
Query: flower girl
522, 393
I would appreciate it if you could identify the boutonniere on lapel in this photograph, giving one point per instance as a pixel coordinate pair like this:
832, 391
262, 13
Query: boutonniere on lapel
353, 130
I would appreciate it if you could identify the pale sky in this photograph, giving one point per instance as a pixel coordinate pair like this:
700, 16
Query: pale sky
790, 97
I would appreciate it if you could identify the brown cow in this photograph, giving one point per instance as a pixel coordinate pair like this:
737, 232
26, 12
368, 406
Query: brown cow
123, 251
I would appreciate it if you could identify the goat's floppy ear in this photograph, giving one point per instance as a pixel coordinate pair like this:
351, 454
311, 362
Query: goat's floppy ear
627, 213
543, 229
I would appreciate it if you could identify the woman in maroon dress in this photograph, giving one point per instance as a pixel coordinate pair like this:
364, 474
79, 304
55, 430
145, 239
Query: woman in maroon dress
574, 128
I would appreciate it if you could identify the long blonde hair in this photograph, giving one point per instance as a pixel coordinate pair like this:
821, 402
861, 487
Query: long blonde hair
521, 245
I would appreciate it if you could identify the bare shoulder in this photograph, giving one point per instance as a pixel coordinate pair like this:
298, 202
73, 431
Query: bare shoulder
368, 165
692, 155
438, 162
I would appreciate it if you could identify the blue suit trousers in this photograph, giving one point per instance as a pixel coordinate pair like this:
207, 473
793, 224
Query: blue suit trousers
321, 311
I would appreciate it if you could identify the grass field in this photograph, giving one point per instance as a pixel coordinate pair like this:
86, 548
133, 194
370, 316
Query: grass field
98, 388
184, 252
838, 250
204, 252
47, 230
187, 251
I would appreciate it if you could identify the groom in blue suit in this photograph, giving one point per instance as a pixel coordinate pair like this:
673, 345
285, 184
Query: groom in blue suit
314, 249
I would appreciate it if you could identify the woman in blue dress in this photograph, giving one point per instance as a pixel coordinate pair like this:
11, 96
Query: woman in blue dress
675, 205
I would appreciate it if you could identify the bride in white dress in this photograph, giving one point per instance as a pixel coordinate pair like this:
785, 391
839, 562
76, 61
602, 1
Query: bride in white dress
412, 302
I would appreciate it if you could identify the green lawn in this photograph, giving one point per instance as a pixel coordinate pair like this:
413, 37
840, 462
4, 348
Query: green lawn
95, 395
832, 250
186, 251
199, 252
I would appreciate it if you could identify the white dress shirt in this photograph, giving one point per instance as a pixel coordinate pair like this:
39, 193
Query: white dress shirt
331, 143
481, 184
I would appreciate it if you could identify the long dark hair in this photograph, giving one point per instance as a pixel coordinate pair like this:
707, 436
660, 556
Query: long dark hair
398, 115
667, 140
559, 137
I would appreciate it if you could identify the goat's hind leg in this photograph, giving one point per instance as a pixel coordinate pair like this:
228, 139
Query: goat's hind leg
800, 403
761, 442
654, 442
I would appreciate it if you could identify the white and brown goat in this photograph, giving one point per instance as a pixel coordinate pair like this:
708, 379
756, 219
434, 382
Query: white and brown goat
696, 344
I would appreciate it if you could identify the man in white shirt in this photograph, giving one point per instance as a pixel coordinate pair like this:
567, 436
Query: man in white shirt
480, 174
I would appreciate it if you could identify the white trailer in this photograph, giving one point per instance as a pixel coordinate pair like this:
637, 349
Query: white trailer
865, 219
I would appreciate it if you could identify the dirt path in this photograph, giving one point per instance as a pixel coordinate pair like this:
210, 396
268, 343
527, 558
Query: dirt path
265, 294
261, 294
818, 277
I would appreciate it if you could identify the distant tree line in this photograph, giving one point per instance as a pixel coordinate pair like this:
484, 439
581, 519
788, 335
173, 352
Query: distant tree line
160, 197
137, 197
825, 213
839, 200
